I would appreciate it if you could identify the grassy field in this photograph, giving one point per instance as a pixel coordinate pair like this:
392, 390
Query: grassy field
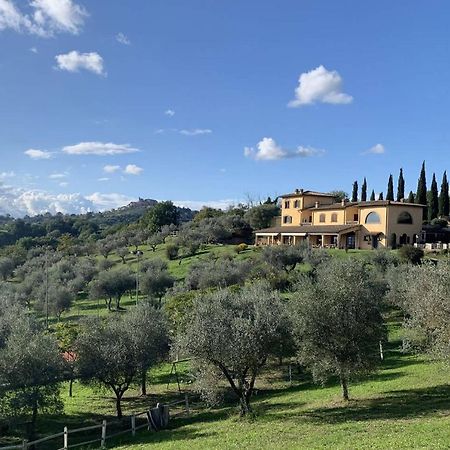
406, 404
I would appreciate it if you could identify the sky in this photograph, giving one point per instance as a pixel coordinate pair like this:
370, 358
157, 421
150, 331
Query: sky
216, 102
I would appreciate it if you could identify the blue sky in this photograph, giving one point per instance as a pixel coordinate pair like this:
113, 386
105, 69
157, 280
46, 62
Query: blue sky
200, 101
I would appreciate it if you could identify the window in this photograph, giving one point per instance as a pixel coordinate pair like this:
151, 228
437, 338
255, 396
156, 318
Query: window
287, 204
287, 219
322, 218
355, 217
373, 218
405, 218
297, 204
334, 217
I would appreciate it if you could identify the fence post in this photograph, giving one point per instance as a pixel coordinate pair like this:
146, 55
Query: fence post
66, 438
381, 351
290, 374
24, 444
103, 441
186, 400
133, 425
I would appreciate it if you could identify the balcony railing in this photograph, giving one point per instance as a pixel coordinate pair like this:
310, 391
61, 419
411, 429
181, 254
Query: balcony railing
352, 222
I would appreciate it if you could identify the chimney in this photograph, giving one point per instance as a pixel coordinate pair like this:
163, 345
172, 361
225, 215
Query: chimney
297, 191
317, 204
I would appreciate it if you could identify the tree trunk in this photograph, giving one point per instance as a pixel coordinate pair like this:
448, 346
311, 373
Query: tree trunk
245, 405
118, 404
32, 425
344, 385
70, 387
144, 382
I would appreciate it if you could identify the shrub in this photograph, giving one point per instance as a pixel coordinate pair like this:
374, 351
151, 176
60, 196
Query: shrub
411, 254
172, 251
240, 248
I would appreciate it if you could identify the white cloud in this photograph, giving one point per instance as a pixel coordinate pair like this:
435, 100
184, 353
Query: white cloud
48, 17
196, 131
99, 148
132, 169
64, 184
58, 176
109, 168
268, 149
123, 39
33, 50
103, 179
108, 201
169, 112
59, 15
319, 85
377, 149
19, 202
74, 61
37, 154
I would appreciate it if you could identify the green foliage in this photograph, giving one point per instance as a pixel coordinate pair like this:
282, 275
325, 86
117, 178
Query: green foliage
410, 254
284, 257
172, 250
337, 321
155, 279
390, 189
31, 368
421, 195
444, 201
364, 190
261, 216
411, 197
401, 187
163, 213
355, 192
433, 200
232, 334
215, 273
372, 196
112, 284
338, 196
240, 248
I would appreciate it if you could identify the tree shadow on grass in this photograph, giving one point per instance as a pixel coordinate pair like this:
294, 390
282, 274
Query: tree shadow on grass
395, 405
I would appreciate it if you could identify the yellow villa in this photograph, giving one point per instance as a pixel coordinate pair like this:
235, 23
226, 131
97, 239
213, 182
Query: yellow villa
315, 217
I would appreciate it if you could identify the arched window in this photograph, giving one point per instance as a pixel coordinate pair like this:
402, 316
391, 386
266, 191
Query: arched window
287, 219
322, 218
297, 204
373, 218
334, 217
405, 218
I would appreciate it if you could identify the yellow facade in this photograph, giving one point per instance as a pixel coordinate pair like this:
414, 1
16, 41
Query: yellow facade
317, 218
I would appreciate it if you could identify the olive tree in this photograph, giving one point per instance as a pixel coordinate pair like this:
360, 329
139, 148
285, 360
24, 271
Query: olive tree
149, 338
156, 279
284, 257
337, 321
112, 284
423, 292
31, 368
7, 266
232, 333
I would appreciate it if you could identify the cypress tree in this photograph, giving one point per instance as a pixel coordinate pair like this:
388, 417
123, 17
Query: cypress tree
380, 197
355, 192
421, 196
372, 196
444, 201
364, 191
411, 197
401, 187
433, 200
390, 189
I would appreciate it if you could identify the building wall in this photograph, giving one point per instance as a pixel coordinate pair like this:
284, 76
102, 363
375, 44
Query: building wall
340, 213
304, 201
411, 230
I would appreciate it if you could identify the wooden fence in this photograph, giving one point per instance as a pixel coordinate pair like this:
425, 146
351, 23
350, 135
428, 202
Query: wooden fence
102, 435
